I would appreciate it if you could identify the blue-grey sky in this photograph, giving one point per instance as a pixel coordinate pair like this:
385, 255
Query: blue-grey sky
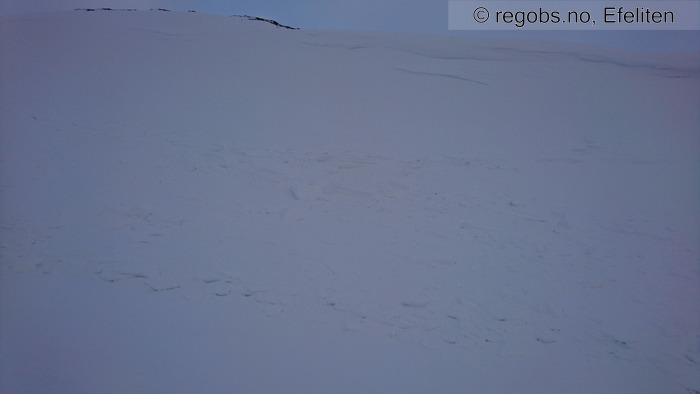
426, 16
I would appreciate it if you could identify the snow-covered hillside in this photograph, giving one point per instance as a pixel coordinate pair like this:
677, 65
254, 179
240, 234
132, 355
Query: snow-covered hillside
194, 203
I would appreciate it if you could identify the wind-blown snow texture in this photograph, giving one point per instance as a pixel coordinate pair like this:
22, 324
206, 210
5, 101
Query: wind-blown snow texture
193, 203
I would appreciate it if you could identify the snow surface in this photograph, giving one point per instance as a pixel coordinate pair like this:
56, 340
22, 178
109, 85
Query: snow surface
194, 203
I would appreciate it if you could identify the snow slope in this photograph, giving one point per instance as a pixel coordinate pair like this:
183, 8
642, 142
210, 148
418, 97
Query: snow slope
194, 203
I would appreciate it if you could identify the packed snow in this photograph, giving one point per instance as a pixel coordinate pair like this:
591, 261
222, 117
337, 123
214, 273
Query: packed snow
193, 203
